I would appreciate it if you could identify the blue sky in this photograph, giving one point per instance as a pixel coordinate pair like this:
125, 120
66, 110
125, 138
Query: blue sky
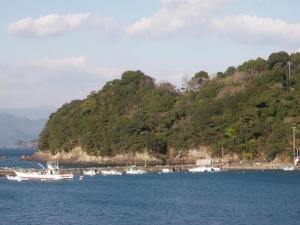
53, 51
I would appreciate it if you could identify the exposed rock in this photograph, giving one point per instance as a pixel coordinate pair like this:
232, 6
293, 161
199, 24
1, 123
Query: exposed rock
77, 155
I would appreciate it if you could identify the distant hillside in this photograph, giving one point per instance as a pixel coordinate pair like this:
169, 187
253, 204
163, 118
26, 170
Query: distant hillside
30, 113
13, 129
248, 110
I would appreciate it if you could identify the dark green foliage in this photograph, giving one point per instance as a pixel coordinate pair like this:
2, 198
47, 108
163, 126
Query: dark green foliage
230, 70
279, 58
251, 117
254, 66
201, 75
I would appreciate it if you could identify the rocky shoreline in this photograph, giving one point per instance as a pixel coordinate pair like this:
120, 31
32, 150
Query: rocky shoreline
78, 156
174, 168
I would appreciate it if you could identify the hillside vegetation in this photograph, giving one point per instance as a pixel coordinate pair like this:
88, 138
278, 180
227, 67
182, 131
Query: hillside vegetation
248, 110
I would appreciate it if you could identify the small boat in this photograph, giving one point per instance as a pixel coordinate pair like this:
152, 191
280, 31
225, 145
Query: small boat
134, 171
288, 168
111, 172
166, 170
89, 172
202, 169
51, 173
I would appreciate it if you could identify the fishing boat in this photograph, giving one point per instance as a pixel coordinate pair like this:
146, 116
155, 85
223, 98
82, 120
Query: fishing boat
111, 172
51, 173
134, 171
202, 169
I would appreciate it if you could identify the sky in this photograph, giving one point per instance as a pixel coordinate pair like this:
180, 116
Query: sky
54, 51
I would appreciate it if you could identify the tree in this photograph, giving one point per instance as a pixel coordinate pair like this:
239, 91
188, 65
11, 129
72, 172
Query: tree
197, 81
278, 57
230, 70
254, 66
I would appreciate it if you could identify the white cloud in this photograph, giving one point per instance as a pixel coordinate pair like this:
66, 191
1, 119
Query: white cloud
174, 17
199, 17
51, 81
55, 24
248, 28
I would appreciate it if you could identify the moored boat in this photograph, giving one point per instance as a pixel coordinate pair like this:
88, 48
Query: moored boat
15, 178
288, 168
202, 169
166, 170
134, 171
111, 172
89, 172
51, 173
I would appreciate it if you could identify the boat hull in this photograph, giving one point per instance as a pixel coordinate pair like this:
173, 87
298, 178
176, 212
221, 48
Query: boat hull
203, 169
111, 172
39, 176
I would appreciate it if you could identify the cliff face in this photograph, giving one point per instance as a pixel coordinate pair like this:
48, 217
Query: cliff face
248, 111
77, 155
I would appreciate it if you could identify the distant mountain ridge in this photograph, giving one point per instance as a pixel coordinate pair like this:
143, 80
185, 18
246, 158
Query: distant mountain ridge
13, 129
33, 113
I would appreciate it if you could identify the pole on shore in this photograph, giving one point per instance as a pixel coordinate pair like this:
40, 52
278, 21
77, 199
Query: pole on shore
145, 157
222, 155
294, 141
289, 75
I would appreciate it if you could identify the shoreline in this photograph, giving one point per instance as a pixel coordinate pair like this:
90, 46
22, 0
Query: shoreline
175, 168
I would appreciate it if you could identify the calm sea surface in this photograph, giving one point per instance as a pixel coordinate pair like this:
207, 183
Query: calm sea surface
182, 198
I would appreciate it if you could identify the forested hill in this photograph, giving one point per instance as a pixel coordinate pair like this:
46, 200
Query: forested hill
249, 110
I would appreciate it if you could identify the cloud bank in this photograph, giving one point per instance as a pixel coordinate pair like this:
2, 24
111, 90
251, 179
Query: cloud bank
56, 24
249, 28
51, 81
200, 17
174, 17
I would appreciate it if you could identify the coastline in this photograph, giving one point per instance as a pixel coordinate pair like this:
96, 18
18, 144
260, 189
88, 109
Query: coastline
80, 157
175, 168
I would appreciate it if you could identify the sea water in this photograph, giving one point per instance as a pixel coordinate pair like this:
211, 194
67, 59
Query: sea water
269, 197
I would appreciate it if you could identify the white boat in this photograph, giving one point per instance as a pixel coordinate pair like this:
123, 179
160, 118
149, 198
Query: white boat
288, 168
297, 160
89, 172
15, 178
202, 169
52, 172
134, 171
110, 172
216, 169
166, 170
